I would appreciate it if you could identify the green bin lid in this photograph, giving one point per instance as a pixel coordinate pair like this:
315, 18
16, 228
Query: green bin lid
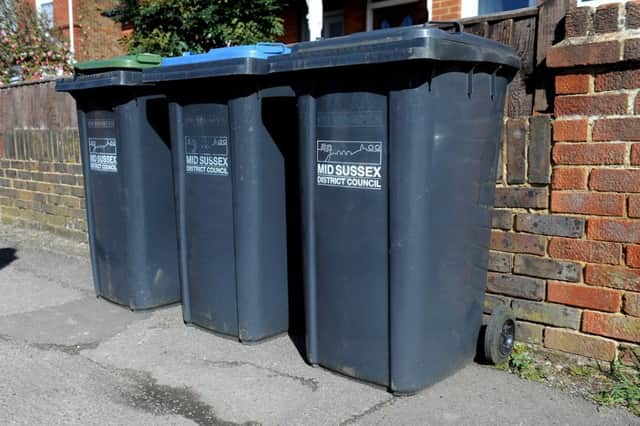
129, 62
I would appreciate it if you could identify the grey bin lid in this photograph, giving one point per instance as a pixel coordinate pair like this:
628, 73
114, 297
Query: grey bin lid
103, 79
425, 42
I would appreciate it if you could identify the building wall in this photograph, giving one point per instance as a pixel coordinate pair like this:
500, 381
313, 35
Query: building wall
292, 18
445, 10
96, 36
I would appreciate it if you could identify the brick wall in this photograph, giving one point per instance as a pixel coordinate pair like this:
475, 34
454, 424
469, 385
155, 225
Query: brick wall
446, 10
41, 183
96, 36
566, 252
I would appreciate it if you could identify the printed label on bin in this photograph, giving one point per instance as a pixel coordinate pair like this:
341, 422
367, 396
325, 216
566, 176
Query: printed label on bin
349, 164
207, 155
103, 154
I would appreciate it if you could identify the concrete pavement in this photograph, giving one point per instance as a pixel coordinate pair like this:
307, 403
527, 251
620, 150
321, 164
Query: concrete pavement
68, 358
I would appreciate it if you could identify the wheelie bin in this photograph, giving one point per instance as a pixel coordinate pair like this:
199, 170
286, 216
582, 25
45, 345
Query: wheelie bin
128, 181
398, 137
229, 163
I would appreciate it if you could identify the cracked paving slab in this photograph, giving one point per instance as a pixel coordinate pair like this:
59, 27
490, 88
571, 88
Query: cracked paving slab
50, 387
48, 259
19, 290
483, 396
269, 382
79, 322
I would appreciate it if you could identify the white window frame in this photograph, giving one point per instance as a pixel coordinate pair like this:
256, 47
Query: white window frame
469, 8
371, 6
598, 2
40, 3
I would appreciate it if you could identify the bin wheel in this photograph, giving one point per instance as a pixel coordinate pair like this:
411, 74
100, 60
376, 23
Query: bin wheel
500, 335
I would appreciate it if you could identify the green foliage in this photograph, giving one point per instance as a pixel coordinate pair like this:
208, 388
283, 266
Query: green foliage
29, 50
578, 370
171, 27
523, 364
625, 390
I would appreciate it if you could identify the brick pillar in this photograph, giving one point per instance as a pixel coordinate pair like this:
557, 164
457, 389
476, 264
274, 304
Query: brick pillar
444, 10
596, 179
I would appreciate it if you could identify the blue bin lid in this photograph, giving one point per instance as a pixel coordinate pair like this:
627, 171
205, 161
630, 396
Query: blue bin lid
256, 51
222, 62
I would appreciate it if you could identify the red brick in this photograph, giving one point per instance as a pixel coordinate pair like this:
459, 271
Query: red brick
635, 154
612, 325
634, 205
615, 180
577, 343
617, 129
613, 276
616, 80
632, 304
586, 154
616, 104
618, 230
569, 178
633, 256
578, 21
583, 296
568, 55
633, 14
570, 130
606, 18
518, 243
529, 198
632, 49
586, 251
588, 203
572, 84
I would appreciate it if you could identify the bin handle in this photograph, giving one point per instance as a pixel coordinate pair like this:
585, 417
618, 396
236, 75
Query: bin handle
148, 58
459, 26
267, 47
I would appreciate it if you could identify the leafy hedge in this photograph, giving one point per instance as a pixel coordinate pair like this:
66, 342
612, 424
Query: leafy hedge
171, 27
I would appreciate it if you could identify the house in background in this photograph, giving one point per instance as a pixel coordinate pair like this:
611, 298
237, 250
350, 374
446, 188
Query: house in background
94, 36
342, 17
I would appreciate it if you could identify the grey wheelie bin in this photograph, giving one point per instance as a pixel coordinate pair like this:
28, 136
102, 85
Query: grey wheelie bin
128, 181
399, 134
230, 184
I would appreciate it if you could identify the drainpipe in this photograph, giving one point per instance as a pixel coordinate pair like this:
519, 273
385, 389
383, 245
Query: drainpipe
314, 19
72, 47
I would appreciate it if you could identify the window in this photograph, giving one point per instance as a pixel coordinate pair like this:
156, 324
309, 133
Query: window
45, 9
395, 13
332, 24
483, 7
598, 2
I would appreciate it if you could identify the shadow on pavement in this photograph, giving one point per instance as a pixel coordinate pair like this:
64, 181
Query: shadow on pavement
7, 255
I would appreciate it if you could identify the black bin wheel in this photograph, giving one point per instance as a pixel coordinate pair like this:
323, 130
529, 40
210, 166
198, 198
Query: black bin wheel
500, 335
